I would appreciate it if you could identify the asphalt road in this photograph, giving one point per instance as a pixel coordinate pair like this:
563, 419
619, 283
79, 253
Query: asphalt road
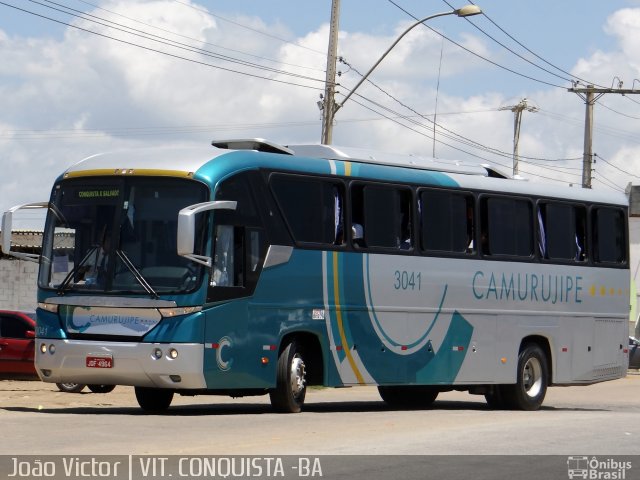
599, 419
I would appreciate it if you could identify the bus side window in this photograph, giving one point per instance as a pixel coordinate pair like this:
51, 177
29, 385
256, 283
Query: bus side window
446, 221
609, 235
381, 217
562, 231
225, 267
507, 226
312, 208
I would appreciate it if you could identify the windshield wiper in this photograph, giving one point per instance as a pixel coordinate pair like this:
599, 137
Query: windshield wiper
67, 280
136, 273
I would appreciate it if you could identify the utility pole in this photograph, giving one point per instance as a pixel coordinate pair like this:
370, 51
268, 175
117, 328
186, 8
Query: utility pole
517, 121
329, 104
590, 95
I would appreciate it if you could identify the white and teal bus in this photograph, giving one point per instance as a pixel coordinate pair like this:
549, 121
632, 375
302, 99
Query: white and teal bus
250, 268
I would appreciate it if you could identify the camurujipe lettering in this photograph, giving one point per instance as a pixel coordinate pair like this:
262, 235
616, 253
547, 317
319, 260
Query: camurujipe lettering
119, 319
527, 287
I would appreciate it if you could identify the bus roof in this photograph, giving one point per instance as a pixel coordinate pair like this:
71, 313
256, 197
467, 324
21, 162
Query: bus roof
184, 161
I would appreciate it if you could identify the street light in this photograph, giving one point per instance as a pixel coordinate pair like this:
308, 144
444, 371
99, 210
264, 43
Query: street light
466, 11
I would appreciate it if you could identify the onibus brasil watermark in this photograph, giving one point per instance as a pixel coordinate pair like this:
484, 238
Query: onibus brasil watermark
594, 468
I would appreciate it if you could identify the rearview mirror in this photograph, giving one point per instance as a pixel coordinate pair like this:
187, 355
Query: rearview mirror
7, 227
187, 228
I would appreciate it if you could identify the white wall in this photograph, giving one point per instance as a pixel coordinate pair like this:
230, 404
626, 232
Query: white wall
18, 280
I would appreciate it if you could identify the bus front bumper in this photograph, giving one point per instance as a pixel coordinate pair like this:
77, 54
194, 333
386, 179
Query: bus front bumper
161, 365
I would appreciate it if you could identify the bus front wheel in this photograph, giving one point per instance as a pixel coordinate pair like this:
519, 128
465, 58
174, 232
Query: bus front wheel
153, 399
291, 381
531, 387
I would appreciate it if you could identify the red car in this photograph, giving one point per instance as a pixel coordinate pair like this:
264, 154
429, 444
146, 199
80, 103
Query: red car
17, 344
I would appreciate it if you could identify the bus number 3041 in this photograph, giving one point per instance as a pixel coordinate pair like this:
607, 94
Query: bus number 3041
407, 280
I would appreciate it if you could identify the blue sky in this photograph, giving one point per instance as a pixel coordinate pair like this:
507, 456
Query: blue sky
69, 93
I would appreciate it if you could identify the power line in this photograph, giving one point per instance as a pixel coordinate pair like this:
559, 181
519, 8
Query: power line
477, 54
255, 30
527, 49
448, 144
619, 113
159, 39
616, 167
605, 181
605, 130
454, 135
198, 40
159, 51
509, 49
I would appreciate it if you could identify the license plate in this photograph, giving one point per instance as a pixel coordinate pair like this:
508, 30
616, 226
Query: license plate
99, 361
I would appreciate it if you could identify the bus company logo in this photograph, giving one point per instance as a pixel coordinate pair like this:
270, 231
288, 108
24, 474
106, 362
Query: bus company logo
223, 364
596, 469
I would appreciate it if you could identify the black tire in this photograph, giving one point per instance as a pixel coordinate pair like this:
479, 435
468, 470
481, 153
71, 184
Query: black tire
101, 388
70, 387
291, 380
495, 399
531, 386
153, 399
409, 396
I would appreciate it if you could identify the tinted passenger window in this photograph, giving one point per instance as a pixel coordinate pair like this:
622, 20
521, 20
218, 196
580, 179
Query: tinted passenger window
507, 227
609, 235
446, 221
562, 232
312, 207
381, 216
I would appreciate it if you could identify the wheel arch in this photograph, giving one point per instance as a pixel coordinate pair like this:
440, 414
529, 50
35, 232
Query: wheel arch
544, 344
314, 361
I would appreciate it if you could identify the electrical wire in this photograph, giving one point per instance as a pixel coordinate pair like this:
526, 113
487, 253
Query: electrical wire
605, 130
255, 30
494, 162
98, 7
453, 135
608, 183
477, 54
509, 49
161, 40
616, 167
247, 74
588, 82
615, 111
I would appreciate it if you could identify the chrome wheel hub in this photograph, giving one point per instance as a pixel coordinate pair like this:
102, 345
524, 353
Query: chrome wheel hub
297, 375
532, 377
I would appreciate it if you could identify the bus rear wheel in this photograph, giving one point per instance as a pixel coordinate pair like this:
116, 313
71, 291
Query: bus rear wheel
153, 399
291, 380
409, 396
531, 386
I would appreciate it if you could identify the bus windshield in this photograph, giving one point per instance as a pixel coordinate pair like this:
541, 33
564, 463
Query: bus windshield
119, 235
